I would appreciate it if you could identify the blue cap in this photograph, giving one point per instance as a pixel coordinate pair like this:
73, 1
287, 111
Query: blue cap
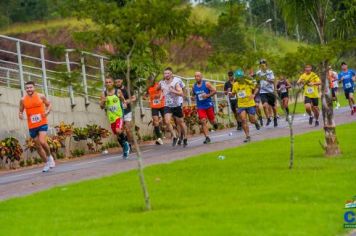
239, 73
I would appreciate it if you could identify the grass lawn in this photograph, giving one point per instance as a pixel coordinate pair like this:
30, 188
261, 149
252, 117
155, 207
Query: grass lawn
250, 192
300, 105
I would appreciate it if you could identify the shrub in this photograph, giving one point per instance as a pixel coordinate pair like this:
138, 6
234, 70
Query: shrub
78, 152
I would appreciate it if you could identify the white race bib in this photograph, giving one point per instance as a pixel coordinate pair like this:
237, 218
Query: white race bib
169, 101
36, 118
348, 85
112, 108
310, 90
156, 101
335, 84
200, 97
241, 94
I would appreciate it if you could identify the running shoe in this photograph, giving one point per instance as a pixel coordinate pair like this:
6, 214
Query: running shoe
51, 162
337, 105
310, 120
207, 140
258, 127
47, 167
185, 142
126, 150
175, 140
247, 139
316, 123
352, 111
215, 126
275, 123
268, 121
159, 141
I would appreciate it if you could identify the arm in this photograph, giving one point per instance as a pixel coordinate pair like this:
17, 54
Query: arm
177, 90
289, 85
212, 90
47, 103
102, 101
21, 109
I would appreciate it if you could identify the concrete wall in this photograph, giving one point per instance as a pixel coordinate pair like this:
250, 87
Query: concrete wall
61, 111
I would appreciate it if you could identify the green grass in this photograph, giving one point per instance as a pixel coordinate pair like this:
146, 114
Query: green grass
23, 28
251, 192
300, 105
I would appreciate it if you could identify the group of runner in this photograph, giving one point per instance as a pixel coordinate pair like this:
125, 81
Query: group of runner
247, 94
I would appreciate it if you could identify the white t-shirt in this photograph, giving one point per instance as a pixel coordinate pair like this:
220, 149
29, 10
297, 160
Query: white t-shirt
171, 99
182, 85
265, 86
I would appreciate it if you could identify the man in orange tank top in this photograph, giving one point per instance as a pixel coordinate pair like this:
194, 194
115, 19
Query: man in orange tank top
37, 108
156, 100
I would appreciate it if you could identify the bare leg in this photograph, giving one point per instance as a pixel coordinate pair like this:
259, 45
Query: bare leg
43, 149
244, 123
205, 127
167, 120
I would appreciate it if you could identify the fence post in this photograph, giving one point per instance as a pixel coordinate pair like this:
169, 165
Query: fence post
188, 93
70, 87
8, 78
44, 72
19, 60
102, 71
216, 100
85, 85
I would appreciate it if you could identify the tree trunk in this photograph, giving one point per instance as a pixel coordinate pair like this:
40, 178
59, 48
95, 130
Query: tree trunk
331, 145
137, 147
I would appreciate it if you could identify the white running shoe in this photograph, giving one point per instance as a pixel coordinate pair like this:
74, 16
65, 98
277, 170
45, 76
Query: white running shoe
51, 162
159, 141
46, 167
337, 105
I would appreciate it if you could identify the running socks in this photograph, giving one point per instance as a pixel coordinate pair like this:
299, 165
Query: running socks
157, 132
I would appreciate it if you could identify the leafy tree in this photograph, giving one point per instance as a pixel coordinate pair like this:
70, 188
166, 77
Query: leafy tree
320, 14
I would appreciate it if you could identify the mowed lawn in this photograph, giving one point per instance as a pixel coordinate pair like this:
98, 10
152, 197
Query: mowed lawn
250, 192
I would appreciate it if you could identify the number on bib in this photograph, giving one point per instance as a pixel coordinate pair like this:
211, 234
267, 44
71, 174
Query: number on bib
348, 85
200, 97
169, 101
310, 90
156, 101
112, 108
36, 118
241, 94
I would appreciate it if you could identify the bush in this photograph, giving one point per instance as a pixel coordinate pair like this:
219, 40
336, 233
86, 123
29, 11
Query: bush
78, 152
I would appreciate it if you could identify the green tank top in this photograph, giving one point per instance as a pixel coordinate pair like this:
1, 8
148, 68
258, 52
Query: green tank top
113, 107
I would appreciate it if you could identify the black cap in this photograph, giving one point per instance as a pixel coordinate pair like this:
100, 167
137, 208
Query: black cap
230, 73
343, 63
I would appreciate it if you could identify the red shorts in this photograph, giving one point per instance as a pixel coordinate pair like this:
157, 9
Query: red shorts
207, 113
118, 124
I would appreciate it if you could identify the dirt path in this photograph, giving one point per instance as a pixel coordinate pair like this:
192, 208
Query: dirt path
23, 182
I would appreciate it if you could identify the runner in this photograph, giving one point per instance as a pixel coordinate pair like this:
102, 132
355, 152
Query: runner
348, 77
119, 84
232, 99
283, 87
172, 91
156, 101
333, 85
311, 82
203, 91
266, 87
246, 92
181, 101
37, 108
111, 101
259, 107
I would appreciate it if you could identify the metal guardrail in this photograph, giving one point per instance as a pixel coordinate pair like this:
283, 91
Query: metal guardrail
13, 73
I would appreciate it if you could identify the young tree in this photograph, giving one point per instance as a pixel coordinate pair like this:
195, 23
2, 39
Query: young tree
134, 29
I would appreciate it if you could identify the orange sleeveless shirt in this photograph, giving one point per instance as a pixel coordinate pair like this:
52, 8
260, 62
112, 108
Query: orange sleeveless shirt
35, 111
155, 97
